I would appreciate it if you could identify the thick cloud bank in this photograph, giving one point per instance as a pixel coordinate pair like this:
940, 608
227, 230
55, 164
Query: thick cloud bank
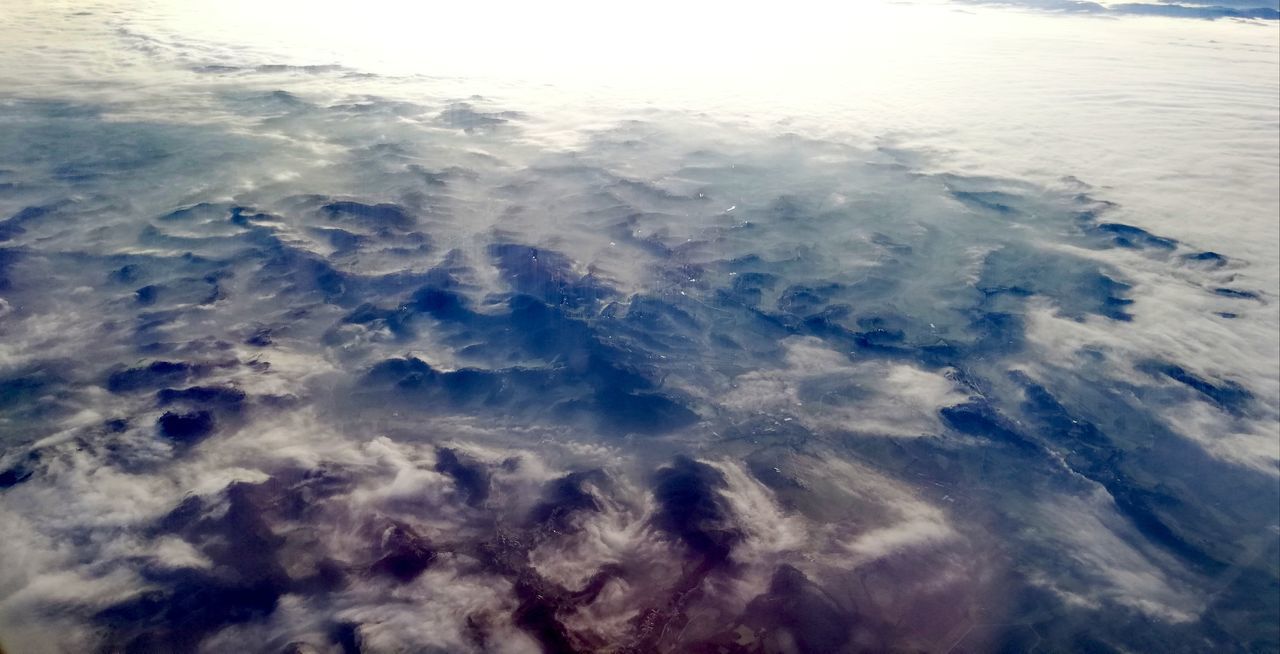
310, 361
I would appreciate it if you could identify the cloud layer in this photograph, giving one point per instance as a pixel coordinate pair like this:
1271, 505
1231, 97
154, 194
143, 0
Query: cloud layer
322, 362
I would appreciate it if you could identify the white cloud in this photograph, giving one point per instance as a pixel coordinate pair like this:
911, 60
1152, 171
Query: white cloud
825, 390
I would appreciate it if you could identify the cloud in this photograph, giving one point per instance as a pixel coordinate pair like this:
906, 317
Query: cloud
1110, 570
308, 359
823, 389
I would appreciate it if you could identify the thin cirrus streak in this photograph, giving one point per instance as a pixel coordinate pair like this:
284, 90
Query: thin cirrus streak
798, 351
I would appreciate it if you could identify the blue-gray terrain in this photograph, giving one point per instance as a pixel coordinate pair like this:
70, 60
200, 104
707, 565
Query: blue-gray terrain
329, 370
